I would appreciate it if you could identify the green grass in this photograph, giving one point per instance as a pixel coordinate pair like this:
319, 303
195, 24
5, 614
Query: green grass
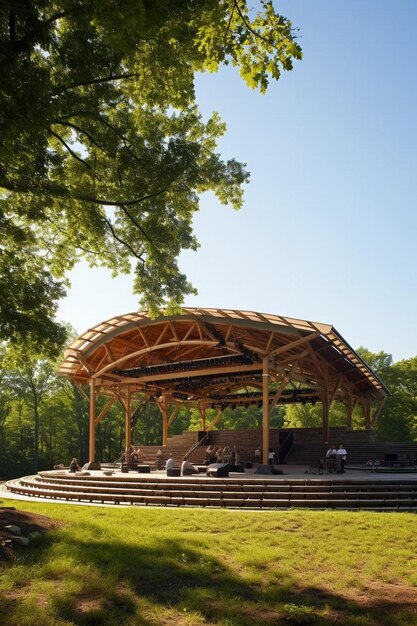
134, 566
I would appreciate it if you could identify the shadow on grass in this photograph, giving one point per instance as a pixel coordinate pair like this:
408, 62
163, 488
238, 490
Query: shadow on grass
127, 584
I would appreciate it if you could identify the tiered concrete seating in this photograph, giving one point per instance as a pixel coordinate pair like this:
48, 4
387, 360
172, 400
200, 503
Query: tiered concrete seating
242, 492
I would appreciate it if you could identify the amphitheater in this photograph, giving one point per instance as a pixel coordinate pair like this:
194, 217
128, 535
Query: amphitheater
217, 359
389, 489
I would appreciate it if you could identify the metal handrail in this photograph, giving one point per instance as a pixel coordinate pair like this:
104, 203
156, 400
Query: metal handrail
197, 444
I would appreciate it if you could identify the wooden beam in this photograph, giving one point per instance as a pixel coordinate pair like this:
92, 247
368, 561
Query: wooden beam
92, 429
82, 392
128, 426
120, 399
109, 354
190, 330
229, 369
84, 363
202, 409
163, 406
319, 364
173, 414
265, 409
278, 394
161, 335
326, 409
149, 350
295, 344
270, 340
335, 389
105, 410
173, 330
215, 420
142, 336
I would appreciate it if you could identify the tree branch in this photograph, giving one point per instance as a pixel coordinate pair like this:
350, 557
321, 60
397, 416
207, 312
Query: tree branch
94, 81
80, 130
115, 130
247, 24
121, 241
132, 219
72, 153
230, 21
63, 232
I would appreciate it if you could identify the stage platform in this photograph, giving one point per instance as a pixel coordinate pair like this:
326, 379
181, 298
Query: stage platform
353, 490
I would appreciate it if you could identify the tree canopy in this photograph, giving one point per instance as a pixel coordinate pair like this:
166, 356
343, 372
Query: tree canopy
103, 152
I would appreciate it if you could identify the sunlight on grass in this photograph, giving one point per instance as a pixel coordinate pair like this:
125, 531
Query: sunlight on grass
136, 566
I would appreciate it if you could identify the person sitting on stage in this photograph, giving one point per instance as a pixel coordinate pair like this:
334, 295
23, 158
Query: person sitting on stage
341, 459
187, 468
170, 464
370, 464
208, 455
159, 459
236, 455
74, 467
139, 455
133, 457
227, 453
219, 455
331, 459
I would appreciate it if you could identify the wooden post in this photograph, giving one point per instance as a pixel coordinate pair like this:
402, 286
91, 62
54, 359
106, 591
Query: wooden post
128, 426
164, 411
326, 407
265, 409
92, 432
202, 408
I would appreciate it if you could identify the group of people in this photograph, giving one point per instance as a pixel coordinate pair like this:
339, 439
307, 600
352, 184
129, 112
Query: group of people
219, 454
336, 459
133, 457
186, 466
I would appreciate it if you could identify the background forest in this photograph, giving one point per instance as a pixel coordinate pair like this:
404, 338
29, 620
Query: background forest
44, 419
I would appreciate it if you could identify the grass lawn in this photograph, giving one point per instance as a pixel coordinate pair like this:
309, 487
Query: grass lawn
134, 566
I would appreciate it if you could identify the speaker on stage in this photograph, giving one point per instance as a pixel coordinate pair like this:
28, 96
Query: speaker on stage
218, 470
268, 469
174, 471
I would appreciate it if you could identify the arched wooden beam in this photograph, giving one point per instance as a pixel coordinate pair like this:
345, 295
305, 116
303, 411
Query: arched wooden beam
137, 353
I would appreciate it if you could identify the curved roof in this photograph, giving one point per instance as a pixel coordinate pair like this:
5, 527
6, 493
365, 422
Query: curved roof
210, 354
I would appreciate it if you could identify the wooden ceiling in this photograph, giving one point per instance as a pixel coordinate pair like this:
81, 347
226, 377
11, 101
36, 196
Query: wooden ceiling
215, 356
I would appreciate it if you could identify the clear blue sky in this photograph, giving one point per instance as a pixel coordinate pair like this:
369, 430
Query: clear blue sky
328, 228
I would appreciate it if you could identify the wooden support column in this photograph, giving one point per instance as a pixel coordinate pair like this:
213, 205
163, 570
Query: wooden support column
202, 408
164, 411
265, 409
128, 426
92, 431
325, 401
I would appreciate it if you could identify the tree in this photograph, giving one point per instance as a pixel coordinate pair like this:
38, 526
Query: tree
30, 377
398, 420
103, 151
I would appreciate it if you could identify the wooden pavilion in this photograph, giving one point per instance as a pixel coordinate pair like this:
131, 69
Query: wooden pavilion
219, 358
